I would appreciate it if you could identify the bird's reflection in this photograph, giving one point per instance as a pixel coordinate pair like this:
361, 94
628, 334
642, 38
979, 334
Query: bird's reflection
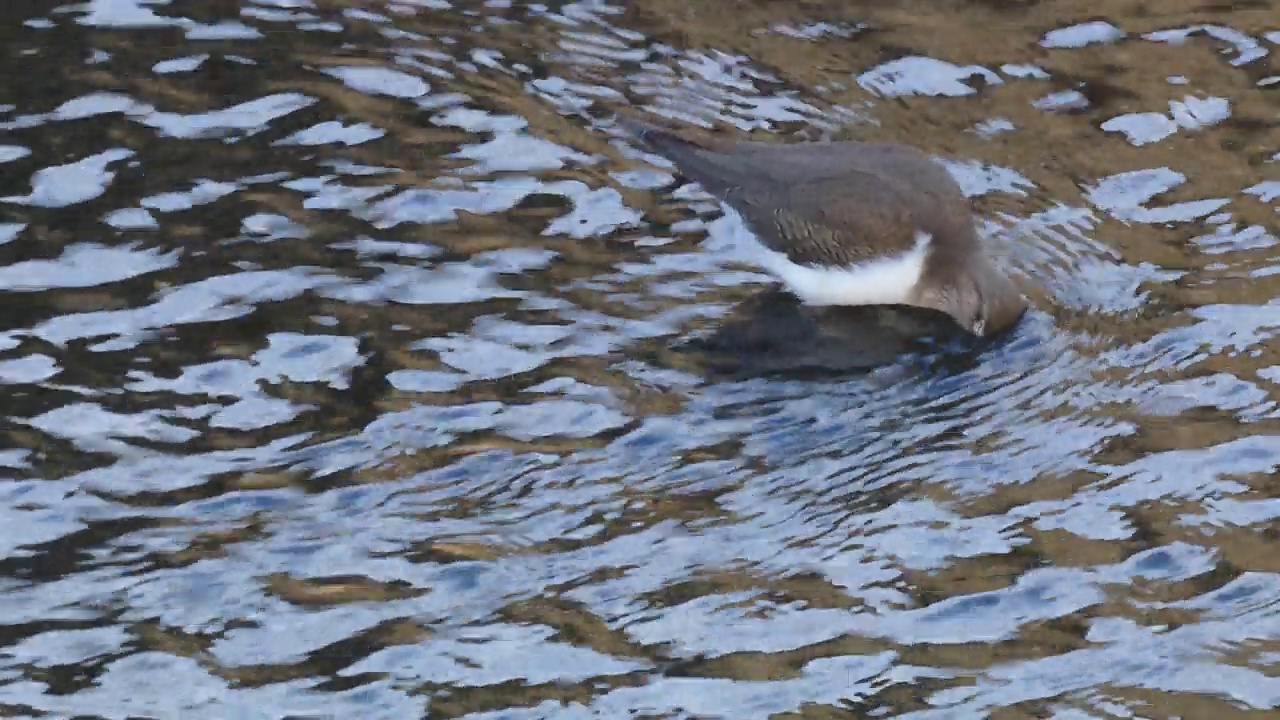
774, 334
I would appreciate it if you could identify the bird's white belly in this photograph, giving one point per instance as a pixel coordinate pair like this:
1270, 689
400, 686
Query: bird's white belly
887, 280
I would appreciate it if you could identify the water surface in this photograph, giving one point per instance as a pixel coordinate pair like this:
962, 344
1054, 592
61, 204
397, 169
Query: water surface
352, 368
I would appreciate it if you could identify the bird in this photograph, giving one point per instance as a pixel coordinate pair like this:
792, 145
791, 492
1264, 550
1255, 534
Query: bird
849, 222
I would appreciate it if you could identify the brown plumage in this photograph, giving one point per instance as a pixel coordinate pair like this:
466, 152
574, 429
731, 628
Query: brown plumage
843, 204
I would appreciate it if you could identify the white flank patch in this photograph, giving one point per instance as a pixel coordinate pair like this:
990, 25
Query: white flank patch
887, 280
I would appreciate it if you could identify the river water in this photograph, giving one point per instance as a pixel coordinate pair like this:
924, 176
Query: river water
354, 366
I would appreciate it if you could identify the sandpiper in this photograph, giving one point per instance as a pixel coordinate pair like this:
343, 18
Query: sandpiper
850, 223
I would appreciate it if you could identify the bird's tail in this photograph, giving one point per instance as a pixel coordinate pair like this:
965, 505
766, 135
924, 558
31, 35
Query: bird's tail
659, 138
695, 155
640, 129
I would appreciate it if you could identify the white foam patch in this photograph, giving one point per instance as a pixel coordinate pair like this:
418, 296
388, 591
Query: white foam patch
1142, 128
977, 178
122, 14
131, 219
994, 126
266, 227
333, 132
1083, 34
227, 30
9, 153
511, 151
247, 116
77, 182
1190, 113
1229, 238
1247, 47
85, 265
179, 65
205, 191
1266, 191
1193, 112
918, 75
1124, 196
1024, 71
375, 80
29, 369
1062, 100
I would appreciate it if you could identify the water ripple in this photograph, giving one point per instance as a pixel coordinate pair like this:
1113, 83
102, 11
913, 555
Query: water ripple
356, 366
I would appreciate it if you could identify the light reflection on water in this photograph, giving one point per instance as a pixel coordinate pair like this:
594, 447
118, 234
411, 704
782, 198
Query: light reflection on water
355, 367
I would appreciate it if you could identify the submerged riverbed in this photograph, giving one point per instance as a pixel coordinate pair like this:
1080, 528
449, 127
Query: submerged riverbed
354, 366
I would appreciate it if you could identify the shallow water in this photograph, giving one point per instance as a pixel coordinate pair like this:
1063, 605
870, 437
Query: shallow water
351, 368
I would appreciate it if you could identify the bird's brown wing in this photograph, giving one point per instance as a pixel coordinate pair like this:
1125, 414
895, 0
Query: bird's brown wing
830, 222
819, 203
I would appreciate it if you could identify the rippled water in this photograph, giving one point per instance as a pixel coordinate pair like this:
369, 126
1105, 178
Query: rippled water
354, 366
